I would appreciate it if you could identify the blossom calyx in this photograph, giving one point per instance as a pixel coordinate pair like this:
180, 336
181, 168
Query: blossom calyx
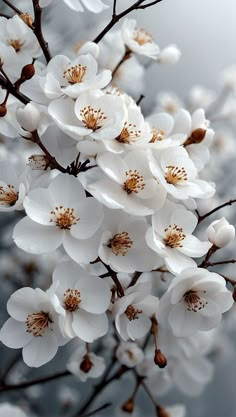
220, 232
86, 364
160, 359
128, 406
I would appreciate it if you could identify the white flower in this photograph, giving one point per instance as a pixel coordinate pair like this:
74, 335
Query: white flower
220, 232
86, 365
138, 40
28, 117
33, 326
178, 174
168, 101
162, 125
95, 114
177, 410
200, 96
129, 354
132, 312
14, 185
135, 131
127, 183
73, 77
95, 6
197, 135
195, 300
84, 299
8, 410
123, 244
171, 237
17, 35
60, 214
169, 55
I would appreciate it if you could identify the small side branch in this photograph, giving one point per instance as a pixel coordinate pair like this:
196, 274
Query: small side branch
38, 30
209, 213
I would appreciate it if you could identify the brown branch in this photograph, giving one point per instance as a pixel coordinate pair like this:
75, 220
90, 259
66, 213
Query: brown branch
7, 85
126, 56
231, 261
115, 279
26, 384
38, 30
135, 278
116, 17
12, 6
209, 213
52, 161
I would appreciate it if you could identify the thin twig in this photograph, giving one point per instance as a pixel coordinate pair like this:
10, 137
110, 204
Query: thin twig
135, 278
38, 30
22, 385
53, 162
103, 407
12, 6
116, 17
114, 277
6, 85
209, 213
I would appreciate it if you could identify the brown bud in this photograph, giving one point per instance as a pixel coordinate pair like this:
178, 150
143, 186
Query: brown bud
160, 359
27, 72
128, 406
86, 364
161, 412
196, 137
3, 110
27, 19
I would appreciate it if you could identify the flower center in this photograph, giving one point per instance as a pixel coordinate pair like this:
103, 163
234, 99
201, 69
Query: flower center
75, 74
174, 175
142, 37
128, 133
64, 217
196, 137
132, 313
37, 323
174, 236
72, 300
91, 118
8, 196
157, 135
194, 302
120, 243
16, 44
134, 182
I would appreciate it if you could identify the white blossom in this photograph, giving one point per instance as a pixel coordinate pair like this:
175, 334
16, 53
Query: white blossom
86, 365
220, 232
138, 40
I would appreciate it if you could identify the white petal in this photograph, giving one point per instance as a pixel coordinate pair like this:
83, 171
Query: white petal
13, 334
40, 350
89, 327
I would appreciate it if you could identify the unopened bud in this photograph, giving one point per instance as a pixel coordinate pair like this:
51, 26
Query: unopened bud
160, 359
169, 55
3, 110
196, 137
27, 72
27, 19
128, 406
28, 117
39, 162
220, 233
161, 412
86, 364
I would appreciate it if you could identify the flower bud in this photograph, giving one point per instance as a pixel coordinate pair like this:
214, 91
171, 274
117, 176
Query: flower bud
28, 117
27, 19
169, 55
161, 412
128, 406
86, 364
27, 72
196, 137
220, 232
3, 110
160, 359
39, 162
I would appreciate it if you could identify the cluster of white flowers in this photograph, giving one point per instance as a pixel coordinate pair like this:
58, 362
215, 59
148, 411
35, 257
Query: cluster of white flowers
117, 193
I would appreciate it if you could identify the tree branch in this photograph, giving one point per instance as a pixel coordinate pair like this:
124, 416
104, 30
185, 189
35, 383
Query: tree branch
38, 30
116, 17
22, 385
228, 203
7, 85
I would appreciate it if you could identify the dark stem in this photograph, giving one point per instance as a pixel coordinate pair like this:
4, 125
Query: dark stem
9, 4
140, 99
103, 407
22, 385
126, 56
7, 85
116, 17
38, 30
114, 277
231, 261
205, 262
53, 162
135, 278
204, 216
